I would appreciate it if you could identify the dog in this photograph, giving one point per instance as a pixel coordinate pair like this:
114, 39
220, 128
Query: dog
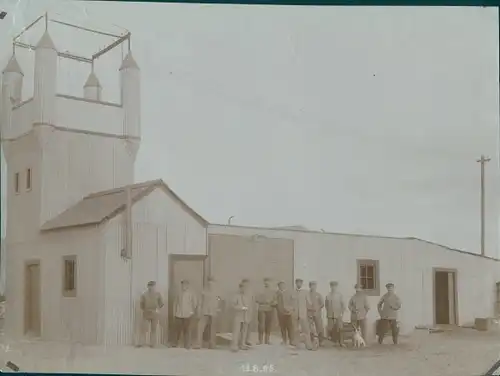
357, 338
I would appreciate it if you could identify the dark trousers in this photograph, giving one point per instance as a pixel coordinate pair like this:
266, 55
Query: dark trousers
286, 326
206, 324
383, 326
183, 326
265, 324
335, 329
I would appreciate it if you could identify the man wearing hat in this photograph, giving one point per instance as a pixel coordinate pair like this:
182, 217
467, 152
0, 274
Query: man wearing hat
335, 308
207, 311
300, 314
252, 307
285, 308
388, 308
150, 302
241, 319
266, 302
185, 305
359, 307
315, 311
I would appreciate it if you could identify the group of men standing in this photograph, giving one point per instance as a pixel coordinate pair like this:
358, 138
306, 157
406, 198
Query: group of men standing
299, 312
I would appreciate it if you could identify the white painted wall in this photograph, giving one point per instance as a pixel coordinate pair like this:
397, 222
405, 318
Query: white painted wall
63, 318
160, 227
407, 263
99, 116
77, 164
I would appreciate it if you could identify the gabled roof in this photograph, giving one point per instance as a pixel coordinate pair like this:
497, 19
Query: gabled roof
101, 206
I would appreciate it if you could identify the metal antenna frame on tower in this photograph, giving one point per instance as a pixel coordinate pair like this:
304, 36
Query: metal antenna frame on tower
90, 60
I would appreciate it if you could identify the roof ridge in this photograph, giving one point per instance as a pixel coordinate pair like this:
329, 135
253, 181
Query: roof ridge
122, 188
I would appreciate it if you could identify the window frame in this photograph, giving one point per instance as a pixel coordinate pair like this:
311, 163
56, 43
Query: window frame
29, 179
375, 291
66, 292
17, 183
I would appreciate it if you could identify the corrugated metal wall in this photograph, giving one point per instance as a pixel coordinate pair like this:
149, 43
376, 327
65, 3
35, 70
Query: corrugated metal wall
407, 263
160, 227
232, 258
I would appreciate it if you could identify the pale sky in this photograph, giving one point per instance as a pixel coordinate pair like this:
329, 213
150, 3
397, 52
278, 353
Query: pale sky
348, 119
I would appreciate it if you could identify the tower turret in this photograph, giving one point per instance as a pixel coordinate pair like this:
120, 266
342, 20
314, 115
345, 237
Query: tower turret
92, 88
45, 84
14, 75
131, 97
11, 94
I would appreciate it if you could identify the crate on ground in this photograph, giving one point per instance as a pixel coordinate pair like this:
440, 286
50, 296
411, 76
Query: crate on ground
484, 323
347, 331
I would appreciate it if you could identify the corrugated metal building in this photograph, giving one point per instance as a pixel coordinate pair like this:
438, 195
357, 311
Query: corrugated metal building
438, 285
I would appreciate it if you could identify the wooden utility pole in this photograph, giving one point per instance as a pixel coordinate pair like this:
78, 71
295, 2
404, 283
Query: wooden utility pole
483, 160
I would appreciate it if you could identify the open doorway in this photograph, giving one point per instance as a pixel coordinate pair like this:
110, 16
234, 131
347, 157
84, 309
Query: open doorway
32, 309
445, 296
190, 267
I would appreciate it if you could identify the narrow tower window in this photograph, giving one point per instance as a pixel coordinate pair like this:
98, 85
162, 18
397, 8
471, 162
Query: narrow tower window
28, 179
16, 182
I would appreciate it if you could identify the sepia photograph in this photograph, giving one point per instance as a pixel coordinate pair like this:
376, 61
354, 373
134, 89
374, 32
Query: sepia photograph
231, 189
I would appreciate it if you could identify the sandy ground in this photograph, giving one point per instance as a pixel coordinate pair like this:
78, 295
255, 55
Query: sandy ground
461, 352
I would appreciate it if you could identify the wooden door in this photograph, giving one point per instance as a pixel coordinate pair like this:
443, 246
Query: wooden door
190, 267
32, 311
442, 303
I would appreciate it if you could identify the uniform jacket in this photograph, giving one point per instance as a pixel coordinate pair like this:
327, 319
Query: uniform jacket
241, 300
285, 303
185, 304
359, 307
317, 302
266, 300
388, 306
335, 305
150, 303
302, 302
209, 303
252, 304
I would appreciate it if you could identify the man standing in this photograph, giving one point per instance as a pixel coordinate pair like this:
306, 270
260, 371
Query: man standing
266, 301
359, 307
285, 309
315, 311
388, 308
252, 306
335, 308
300, 314
241, 305
151, 301
185, 305
207, 312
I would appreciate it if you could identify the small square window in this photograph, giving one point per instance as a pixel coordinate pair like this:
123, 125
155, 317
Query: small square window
17, 187
368, 276
69, 276
28, 179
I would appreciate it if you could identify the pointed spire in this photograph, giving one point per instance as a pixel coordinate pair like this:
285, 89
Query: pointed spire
46, 42
129, 62
92, 81
13, 66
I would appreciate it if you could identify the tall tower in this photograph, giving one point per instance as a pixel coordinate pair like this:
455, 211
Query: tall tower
60, 148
